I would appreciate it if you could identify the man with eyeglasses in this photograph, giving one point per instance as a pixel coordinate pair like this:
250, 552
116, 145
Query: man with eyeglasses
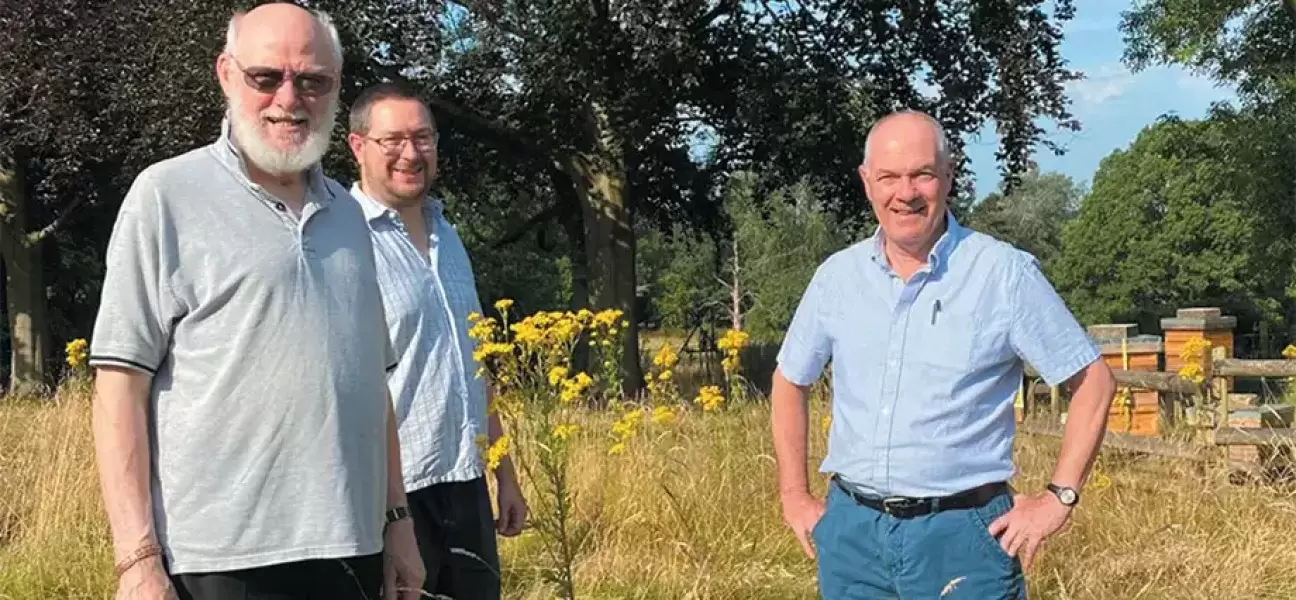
428, 289
245, 442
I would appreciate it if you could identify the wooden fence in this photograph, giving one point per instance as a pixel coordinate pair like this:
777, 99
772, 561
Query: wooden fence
1206, 396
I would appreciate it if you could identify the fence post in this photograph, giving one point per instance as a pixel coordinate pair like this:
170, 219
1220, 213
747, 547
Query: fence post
1219, 386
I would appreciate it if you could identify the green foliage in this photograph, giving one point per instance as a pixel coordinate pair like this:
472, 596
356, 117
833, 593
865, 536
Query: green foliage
780, 242
1248, 43
779, 239
1031, 217
682, 268
1192, 213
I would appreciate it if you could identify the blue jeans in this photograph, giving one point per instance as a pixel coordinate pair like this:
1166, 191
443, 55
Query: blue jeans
864, 554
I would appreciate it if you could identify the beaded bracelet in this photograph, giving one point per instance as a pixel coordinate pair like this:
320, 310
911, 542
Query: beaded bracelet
142, 553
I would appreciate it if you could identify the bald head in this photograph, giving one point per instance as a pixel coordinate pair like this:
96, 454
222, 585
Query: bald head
280, 72
284, 27
907, 177
910, 127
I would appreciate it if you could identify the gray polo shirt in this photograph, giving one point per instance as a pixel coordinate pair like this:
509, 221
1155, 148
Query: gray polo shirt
267, 342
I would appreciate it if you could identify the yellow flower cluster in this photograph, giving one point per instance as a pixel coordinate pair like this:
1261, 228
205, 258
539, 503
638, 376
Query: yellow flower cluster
1289, 352
732, 344
661, 386
494, 452
709, 397
1191, 354
77, 352
624, 429
528, 362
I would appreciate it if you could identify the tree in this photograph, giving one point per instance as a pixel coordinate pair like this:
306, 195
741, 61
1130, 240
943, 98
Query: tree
1192, 213
1247, 43
1032, 216
78, 120
595, 106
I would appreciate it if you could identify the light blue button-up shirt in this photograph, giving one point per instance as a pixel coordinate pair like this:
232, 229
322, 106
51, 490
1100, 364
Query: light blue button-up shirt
440, 402
924, 372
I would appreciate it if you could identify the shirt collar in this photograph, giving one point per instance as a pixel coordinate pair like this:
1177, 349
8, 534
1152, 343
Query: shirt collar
374, 209
939, 254
227, 152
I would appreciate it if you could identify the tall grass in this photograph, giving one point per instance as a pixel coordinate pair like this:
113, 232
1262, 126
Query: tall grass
694, 514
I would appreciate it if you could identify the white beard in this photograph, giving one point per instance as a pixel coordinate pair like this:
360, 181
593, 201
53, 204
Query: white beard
247, 135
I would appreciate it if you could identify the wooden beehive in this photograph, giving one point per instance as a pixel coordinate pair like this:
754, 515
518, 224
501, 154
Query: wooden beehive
1275, 416
1189, 323
1141, 411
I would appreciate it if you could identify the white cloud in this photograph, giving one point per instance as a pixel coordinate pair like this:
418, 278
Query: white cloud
1102, 84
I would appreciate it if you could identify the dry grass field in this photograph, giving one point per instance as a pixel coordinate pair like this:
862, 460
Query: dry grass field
693, 514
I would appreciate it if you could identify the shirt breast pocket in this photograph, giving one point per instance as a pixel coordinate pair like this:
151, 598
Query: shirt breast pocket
948, 340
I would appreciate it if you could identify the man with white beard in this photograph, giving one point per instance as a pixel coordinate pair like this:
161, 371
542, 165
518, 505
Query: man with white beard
244, 436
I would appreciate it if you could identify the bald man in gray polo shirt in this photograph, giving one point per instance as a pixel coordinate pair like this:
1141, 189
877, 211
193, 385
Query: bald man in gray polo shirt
246, 443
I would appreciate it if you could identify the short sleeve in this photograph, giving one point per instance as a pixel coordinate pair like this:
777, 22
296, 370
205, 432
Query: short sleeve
137, 309
807, 346
1043, 331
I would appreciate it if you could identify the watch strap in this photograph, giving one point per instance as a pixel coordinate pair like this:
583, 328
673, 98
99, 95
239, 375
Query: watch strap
1067, 496
395, 514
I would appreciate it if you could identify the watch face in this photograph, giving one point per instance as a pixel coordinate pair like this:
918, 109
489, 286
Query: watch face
1067, 496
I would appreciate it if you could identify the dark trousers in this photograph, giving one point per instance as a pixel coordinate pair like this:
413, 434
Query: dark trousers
455, 527
326, 579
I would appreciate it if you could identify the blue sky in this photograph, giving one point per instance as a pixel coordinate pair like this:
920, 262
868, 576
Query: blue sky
1111, 103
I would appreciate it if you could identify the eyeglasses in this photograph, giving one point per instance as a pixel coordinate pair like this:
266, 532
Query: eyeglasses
394, 145
267, 80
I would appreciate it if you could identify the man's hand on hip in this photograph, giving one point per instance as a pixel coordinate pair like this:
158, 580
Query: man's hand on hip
146, 580
403, 571
802, 512
1031, 520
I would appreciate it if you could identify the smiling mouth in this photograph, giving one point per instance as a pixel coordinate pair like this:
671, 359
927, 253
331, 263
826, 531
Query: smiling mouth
292, 121
409, 171
905, 211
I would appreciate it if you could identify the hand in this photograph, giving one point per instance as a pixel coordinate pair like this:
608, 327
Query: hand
146, 580
512, 508
1031, 520
801, 512
403, 569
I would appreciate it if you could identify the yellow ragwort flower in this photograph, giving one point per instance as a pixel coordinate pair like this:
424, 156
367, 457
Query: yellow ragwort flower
503, 304
497, 452
77, 352
565, 431
557, 375
709, 397
662, 414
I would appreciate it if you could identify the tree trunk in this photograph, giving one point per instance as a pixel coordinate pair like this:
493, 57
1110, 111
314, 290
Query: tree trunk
735, 289
601, 187
25, 286
28, 327
574, 225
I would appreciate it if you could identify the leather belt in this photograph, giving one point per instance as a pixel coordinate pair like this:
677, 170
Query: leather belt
903, 507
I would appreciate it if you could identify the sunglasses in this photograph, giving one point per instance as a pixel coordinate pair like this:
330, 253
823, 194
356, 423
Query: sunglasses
267, 80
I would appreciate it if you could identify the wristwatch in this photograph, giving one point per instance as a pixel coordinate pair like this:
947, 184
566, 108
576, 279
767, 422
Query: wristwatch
395, 514
1067, 496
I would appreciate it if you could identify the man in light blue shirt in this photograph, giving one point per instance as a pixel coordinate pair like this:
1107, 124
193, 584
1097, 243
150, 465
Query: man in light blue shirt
928, 325
428, 290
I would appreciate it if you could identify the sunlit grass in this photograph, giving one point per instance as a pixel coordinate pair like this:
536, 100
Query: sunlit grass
694, 514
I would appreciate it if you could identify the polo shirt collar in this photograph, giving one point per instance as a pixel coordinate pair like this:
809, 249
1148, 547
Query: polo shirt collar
940, 251
433, 207
228, 152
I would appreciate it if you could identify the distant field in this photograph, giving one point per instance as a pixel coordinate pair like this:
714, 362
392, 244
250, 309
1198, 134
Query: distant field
694, 515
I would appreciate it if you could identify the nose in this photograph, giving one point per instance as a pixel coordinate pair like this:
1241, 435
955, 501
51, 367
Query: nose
906, 190
410, 152
286, 96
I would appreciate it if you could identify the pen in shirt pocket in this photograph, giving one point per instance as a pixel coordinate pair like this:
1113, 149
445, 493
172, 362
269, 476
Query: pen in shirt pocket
935, 309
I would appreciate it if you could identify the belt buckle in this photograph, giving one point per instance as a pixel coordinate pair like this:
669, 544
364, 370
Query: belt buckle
898, 505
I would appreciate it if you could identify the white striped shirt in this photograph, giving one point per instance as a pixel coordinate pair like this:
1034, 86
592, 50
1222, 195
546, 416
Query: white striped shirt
440, 402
